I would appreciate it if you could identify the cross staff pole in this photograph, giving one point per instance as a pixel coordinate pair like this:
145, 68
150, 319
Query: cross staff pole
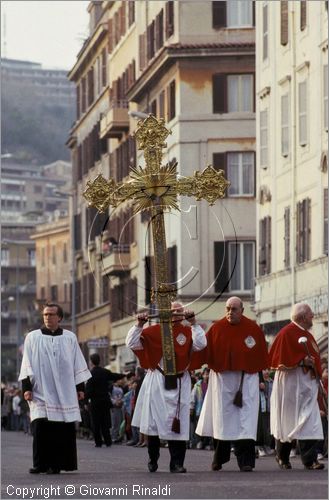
155, 188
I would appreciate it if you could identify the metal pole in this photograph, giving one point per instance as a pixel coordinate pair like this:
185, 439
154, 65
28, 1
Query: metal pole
18, 312
73, 308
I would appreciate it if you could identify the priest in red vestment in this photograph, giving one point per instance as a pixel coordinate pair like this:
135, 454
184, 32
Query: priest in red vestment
159, 409
295, 411
236, 351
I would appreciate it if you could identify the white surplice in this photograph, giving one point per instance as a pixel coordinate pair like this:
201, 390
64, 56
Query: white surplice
219, 417
295, 411
55, 365
156, 406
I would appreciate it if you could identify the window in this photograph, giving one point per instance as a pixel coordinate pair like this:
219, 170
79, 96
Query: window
234, 266
37, 189
242, 255
265, 31
43, 257
65, 252
172, 100
239, 13
285, 125
302, 103
325, 221
240, 93
162, 104
303, 14
54, 293
53, 253
31, 257
264, 257
240, 173
325, 96
42, 293
287, 237
233, 93
169, 19
5, 256
263, 139
303, 231
284, 22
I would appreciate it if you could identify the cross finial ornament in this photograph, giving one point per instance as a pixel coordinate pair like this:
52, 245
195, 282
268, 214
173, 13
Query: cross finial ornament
155, 188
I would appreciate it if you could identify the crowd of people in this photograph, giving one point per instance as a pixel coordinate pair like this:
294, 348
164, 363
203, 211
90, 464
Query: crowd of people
230, 393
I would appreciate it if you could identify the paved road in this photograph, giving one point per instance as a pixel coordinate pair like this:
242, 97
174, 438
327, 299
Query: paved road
125, 467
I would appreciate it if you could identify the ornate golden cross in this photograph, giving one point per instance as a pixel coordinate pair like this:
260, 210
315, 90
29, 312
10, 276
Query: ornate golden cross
155, 188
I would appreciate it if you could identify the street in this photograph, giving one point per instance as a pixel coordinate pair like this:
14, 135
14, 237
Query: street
121, 472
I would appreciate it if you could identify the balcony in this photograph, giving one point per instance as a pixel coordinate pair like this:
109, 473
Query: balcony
116, 260
116, 121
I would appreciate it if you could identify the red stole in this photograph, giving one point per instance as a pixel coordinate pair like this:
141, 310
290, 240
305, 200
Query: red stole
151, 355
286, 352
233, 347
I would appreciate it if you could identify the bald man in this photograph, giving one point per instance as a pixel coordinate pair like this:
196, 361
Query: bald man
295, 411
158, 408
236, 351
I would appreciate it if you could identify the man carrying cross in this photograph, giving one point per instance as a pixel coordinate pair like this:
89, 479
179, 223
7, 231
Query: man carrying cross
164, 413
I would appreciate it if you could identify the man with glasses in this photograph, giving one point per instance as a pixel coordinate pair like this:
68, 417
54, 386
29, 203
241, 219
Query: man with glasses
53, 373
236, 351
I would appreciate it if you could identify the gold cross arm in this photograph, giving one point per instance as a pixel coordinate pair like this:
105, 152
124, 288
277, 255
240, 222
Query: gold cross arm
144, 187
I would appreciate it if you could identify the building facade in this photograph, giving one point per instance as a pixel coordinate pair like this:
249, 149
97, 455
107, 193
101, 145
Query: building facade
193, 64
292, 177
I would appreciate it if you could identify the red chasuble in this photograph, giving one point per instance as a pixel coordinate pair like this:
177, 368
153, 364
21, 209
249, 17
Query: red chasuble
286, 352
233, 347
151, 355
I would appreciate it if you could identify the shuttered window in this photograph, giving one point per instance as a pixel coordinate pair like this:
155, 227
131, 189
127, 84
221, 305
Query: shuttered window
241, 173
284, 22
287, 237
302, 112
239, 13
218, 14
265, 31
172, 100
169, 9
303, 14
325, 96
285, 131
303, 249
263, 138
264, 256
221, 266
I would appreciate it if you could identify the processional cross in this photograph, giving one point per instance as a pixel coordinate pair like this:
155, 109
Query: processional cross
155, 188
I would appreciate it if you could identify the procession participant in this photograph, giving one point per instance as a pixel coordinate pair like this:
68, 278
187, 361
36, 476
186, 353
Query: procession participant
98, 392
236, 352
53, 373
164, 413
295, 411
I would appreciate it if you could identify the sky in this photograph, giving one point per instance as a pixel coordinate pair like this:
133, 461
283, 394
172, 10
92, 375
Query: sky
49, 32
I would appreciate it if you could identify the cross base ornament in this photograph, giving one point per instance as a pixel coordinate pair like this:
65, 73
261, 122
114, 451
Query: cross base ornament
155, 188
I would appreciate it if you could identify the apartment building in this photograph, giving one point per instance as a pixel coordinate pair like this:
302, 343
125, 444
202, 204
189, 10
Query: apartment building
292, 176
193, 64
90, 156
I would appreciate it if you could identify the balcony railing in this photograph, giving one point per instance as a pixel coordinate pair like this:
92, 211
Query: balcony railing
116, 259
116, 120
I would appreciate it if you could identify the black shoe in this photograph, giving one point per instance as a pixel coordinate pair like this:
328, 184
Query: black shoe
246, 468
216, 467
315, 466
36, 470
283, 465
153, 466
178, 469
52, 470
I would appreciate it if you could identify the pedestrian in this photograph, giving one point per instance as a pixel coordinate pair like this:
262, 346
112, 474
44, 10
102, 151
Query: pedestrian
197, 397
117, 413
98, 393
264, 438
162, 412
236, 352
53, 373
295, 411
